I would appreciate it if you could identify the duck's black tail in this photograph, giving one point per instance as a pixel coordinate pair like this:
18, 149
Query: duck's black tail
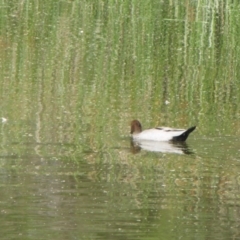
184, 136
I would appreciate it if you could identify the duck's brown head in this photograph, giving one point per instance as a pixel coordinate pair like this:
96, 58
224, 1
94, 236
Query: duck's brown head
136, 127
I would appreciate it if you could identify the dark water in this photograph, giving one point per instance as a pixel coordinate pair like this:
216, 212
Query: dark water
98, 195
73, 76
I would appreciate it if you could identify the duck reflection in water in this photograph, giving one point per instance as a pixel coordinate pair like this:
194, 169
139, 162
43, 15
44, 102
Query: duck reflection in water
163, 147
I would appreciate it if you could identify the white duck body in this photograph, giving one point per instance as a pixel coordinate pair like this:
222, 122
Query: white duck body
159, 133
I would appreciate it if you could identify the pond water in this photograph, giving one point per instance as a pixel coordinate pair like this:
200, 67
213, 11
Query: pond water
73, 76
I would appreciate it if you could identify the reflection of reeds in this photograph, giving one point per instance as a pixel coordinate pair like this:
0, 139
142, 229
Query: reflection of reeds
100, 65
73, 75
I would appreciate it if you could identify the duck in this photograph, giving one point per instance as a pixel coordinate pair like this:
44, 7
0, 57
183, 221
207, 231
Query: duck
165, 134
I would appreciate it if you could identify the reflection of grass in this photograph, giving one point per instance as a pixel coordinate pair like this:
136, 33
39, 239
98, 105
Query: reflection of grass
73, 76
95, 67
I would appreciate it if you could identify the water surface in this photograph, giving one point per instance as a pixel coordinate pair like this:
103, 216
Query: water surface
73, 76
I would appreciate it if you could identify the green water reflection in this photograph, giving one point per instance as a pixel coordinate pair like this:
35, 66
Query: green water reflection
73, 76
